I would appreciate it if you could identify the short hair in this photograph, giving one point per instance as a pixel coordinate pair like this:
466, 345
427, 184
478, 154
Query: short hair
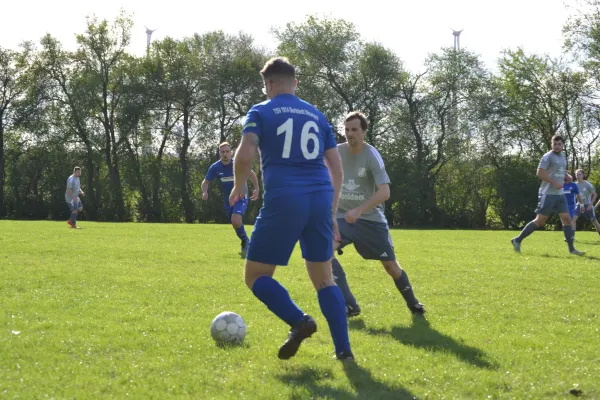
582, 173
278, 67
364, 124
224, 144
76, 169
558, 138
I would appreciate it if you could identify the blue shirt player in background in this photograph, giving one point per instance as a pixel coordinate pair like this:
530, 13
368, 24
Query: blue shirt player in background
571, 192
222, 170
299, 202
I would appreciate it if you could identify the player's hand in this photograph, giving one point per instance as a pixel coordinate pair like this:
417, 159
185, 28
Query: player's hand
590, 208
336, 231
81, 193
353, 215
237, 193
204, 196
255, 195
557, 185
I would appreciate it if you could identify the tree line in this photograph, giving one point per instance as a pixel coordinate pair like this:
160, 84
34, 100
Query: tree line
461, 143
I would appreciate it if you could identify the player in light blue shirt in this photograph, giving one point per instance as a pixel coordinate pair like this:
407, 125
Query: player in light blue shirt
72, 196
551, 197
294, 139
222, 171
588, 197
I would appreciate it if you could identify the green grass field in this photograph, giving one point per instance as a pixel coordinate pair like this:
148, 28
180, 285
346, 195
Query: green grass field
124, 310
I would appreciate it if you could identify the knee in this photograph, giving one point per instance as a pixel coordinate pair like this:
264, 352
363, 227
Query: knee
392, 268
236, 220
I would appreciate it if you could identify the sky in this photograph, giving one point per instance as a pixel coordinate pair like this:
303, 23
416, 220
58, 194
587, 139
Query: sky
414, 29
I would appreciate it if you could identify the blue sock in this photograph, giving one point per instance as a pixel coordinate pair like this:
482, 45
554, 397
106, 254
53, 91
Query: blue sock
277, 299
332, 305
241, 232
74, 219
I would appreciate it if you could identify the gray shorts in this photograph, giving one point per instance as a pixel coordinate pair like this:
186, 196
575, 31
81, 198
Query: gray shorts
371, 239
590, 215
552, 203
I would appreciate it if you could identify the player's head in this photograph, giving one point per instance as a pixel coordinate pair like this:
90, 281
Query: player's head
225, 152
558, 144
77, 171
580, 175
279, 77
355, 126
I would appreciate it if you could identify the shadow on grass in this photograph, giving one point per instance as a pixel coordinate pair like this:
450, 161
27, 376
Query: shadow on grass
316, 382
545, 255
421, 335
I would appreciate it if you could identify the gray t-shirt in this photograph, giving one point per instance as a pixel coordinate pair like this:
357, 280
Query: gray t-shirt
586, 190
73, 183
362, 173
556, 166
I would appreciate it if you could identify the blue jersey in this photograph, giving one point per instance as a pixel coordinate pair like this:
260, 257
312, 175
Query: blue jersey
293, 137
571, 191
224, 173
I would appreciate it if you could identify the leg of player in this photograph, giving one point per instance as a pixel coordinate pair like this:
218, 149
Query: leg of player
573, 224
596, 224
538, 222
237, 223
565, 218
331, 301
352, 307
403, 285
259, 278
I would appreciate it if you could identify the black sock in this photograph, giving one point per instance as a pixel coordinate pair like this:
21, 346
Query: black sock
569, 235
528, 230
340, 279
403, 285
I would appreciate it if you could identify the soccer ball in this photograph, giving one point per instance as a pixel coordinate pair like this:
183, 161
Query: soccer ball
228, 327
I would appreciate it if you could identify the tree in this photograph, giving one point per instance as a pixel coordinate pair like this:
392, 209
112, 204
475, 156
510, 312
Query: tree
14, 83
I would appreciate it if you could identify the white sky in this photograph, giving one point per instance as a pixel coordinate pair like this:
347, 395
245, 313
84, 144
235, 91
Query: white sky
414, 29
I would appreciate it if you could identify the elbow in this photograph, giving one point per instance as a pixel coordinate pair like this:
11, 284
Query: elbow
385, 193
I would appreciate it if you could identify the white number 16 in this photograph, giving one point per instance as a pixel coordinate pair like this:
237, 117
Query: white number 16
288, 128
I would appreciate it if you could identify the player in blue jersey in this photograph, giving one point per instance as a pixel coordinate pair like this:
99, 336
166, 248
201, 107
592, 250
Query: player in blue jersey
300, 199
571, 193
222, 170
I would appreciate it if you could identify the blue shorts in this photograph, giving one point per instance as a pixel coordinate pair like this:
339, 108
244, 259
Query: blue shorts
75, 207
572, 209
238, 208
285, 220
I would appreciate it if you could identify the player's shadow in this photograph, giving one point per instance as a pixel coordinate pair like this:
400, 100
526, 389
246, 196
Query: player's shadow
588, 257
421, 335
317, 382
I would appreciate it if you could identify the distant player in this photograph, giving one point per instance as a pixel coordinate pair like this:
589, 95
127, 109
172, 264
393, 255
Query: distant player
589, 195
222, 170
360, 214
72, 196
299, 201
571, 191
551, 171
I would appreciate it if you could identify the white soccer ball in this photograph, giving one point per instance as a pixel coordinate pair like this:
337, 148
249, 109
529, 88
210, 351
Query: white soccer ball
228, 327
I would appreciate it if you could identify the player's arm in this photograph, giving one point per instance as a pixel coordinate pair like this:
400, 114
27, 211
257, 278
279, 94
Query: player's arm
382, 181
333, 161
256, 190
594, 196
543, 175
242, 164
207, 179
381, 195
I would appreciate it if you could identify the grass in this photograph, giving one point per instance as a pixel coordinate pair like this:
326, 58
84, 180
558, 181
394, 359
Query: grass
124, 310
